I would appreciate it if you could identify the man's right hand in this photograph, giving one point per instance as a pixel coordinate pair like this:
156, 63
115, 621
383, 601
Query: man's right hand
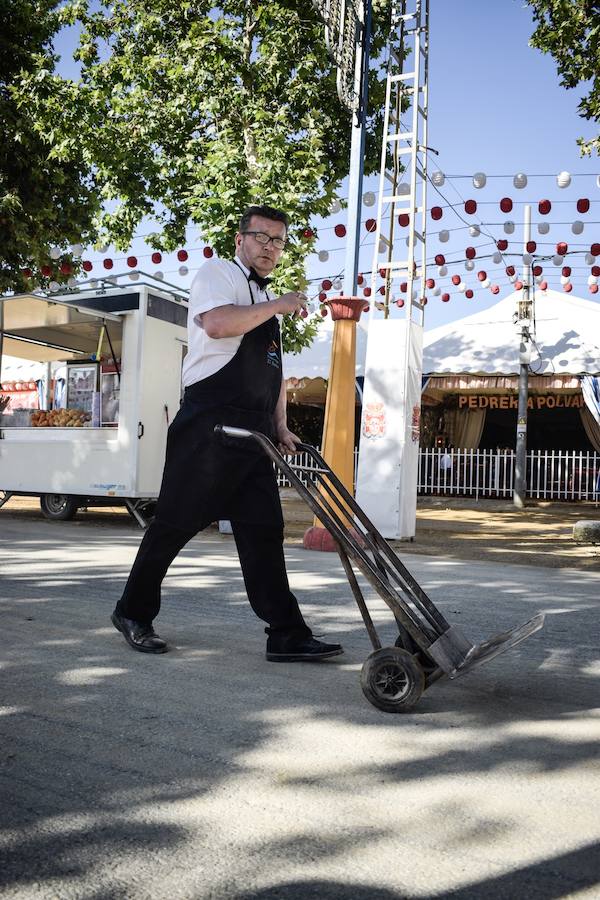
293, 302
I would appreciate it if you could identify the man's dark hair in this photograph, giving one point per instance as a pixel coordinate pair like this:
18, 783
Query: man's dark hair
267, 212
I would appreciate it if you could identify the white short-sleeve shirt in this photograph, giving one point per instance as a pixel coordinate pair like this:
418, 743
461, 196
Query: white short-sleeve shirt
219, 282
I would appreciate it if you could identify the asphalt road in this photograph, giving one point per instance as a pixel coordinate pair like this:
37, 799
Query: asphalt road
210, 773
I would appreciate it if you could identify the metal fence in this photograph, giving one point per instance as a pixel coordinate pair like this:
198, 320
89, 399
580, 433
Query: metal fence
551, 474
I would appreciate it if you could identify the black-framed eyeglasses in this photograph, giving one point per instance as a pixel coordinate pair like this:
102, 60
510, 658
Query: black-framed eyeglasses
265, 239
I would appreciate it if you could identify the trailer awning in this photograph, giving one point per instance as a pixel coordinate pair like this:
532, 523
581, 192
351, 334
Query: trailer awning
43, 329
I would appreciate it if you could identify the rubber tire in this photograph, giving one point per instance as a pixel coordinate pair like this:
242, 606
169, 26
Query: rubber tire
406, 642
58, 507
397, 663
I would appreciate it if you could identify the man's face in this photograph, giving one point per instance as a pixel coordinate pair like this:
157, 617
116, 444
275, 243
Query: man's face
262, 257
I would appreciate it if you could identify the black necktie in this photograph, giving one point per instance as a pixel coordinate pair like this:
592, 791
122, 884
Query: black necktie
260, 281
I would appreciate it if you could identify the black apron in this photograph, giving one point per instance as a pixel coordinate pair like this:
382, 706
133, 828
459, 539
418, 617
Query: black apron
207, 476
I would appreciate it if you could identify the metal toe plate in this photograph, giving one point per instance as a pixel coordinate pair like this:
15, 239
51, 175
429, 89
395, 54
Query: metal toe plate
482, 653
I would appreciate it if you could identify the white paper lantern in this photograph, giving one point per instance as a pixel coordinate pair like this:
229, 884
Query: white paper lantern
335, 207
512, 278
101, 248
592, 279
589, 259
577, 227
469, 265
337, 284
527, 259
407, 241
93, 284
497, 257
72, 282
509, 227
520, 180
479, 179
76, 250
382, 246
564, 279
369, 198
55, 252
54, 286
462, 287
474, 230
443, 271
112, 279
438, 179
486, 283
323, 255
444, 236
563, 179
183, 271
133, 276
543, 228
557, 260
403, 188
437, 291
539, 279
159, 275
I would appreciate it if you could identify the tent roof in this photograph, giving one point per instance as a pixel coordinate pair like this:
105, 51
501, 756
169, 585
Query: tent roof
567, 338
314, 361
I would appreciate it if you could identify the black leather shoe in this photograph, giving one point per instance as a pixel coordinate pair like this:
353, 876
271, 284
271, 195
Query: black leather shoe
303, 650
139, 635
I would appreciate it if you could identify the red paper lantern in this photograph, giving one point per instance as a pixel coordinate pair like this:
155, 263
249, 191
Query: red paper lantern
544, 207
583, 205
324, 311
595, 249
327, 285
366, 308
469, 293
66, 268
470, 253
340, 230
531, 246
322, 296
26, 273
506, 204
495, 289
182, 255
456, 279
543, 285
308, 233
445, 298
440, 259
359, 279
423, 301
371, 225
436, 213
537, 270
208, 253
502, 244
510, 270
568, 287
403, 221
132, 262
367, 292
518, 285
383, 272
593, 288
400, 303
382, 289
46, 271
430, 283
566, 271
156, 257
595, 270
470, 207
482, 275
303, 313
107, 263
562, 248
404, 287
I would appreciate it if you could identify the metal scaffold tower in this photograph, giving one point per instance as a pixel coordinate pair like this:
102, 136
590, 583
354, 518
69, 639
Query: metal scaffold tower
388, 458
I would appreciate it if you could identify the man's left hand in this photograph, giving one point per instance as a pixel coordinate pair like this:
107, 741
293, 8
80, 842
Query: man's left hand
287, 440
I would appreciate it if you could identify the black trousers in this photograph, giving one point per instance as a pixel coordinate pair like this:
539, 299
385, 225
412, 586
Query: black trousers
260, 550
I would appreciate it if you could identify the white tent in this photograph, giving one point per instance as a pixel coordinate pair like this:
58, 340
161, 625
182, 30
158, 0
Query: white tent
567, 339
314, 361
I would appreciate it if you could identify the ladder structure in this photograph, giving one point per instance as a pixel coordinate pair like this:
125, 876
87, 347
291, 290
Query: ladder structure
388, 459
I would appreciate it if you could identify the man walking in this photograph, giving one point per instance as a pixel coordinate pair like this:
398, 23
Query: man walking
232, 376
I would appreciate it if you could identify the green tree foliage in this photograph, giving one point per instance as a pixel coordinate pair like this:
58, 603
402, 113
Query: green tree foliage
45, 200
570, 31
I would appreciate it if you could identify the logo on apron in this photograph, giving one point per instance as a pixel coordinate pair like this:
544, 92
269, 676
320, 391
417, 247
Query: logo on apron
273, 355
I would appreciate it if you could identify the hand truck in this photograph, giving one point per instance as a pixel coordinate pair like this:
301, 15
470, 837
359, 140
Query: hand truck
427, 647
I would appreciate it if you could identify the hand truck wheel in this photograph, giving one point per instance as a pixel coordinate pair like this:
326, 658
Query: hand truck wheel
392, 680
408, 643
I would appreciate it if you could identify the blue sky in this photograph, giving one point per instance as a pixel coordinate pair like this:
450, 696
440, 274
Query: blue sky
495, 105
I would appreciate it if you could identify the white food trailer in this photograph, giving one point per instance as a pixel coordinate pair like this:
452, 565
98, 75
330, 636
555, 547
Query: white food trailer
104, 441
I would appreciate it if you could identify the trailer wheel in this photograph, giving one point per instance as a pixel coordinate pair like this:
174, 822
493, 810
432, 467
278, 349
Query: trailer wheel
392, 680
58, 507
405, 641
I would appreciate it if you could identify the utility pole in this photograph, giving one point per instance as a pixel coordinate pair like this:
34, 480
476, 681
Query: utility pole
524, 322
